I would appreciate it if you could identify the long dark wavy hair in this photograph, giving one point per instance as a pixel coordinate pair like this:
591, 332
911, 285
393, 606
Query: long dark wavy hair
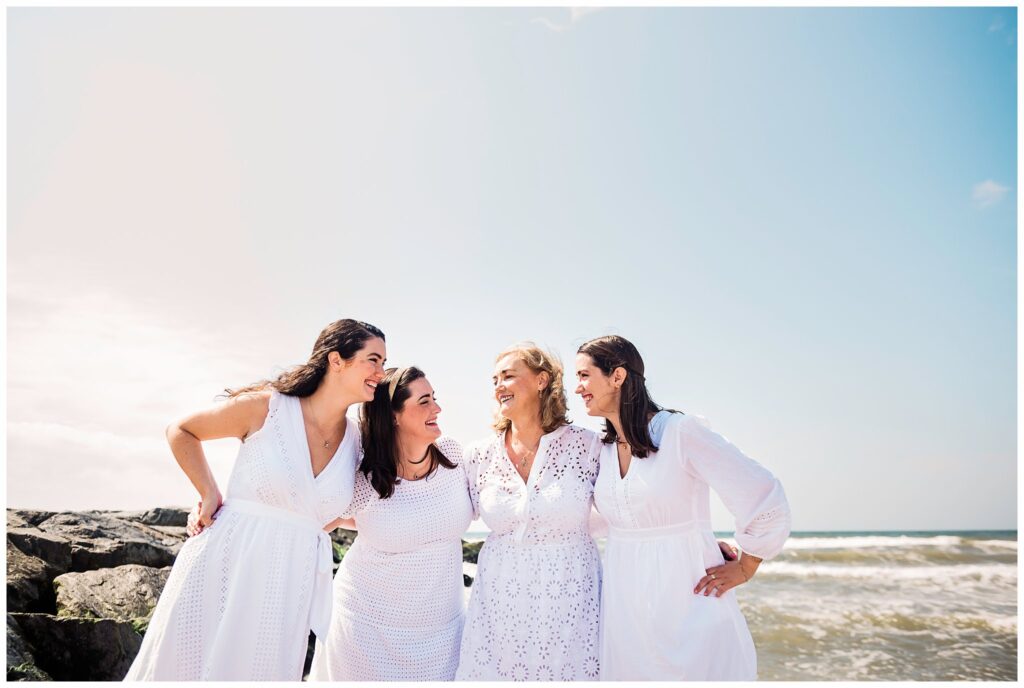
380, 441
344, 336
635, 402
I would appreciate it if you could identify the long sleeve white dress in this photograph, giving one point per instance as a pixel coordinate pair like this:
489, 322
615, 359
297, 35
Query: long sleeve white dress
243, 594
398, 594
653, 626
534, 606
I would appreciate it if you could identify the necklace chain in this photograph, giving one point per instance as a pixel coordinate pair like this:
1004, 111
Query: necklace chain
527, 454
316, 423
415, 474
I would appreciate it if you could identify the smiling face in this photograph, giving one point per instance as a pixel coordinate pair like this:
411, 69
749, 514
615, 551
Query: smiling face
599, 391
517, 388
360, 374
417, 420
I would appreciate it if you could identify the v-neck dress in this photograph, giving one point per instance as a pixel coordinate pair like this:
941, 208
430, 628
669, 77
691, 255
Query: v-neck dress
660, 541
398, 594
243, 594
534, 606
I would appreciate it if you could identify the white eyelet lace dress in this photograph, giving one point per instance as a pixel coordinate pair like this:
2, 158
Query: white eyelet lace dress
243, 594
398, 594
653, 626
534, 606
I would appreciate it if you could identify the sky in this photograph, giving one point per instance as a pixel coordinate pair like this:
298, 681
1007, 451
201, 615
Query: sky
805, 219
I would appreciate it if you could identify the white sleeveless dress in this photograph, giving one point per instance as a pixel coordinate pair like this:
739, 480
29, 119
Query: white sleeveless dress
398, 594
244, 594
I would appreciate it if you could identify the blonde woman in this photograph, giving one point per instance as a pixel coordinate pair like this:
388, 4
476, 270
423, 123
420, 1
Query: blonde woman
534, 607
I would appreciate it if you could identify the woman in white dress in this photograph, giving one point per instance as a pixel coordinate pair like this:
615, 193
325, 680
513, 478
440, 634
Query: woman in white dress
398, 606
244, 593
668, 611
534, 606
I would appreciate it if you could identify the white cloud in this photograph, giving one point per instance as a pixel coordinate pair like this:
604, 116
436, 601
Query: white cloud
548, 24
987, 193
576, 15
997, 25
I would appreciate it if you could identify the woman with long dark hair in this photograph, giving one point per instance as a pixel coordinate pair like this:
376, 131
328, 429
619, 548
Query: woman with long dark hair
246, 591
533, 611
398, 606
667, 608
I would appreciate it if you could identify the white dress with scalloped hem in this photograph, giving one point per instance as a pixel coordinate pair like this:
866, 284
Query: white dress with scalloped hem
660, 541
535, 602
398, 594
243, 595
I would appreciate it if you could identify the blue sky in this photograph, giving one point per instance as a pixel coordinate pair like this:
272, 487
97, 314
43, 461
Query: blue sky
804, 218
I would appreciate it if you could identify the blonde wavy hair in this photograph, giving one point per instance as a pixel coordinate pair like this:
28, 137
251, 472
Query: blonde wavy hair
553, 404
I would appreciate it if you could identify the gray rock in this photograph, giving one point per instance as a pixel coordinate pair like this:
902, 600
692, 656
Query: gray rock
53, 549
343, 537
159, 516
21, 665
471, 550
29, 582
99, 540
20, 518
176, 532
79, 649
123, 593
165, 516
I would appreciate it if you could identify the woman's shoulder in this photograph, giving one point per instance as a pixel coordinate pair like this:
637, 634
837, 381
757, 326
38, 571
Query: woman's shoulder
580, 432
450, 447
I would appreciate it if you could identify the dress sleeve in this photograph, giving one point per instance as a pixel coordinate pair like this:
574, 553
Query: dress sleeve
362, 493
594, 457
471, 464
751, 493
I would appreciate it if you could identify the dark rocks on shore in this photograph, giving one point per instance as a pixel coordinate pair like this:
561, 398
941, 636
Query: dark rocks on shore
76, 649
82, 586
123, 593
100, 540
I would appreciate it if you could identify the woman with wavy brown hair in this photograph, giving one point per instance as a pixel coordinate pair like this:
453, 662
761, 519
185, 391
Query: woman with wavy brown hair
533, 610
398, 605
245, 592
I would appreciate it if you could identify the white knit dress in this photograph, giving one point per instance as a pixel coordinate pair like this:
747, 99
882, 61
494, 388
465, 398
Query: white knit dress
243, 594
398, 594
653, 626
534, 607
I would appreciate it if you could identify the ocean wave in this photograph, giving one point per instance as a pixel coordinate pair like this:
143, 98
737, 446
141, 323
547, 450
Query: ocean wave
984, 573
890, 541
901, 556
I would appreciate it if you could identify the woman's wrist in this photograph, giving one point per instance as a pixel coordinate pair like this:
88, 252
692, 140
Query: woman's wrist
748, 564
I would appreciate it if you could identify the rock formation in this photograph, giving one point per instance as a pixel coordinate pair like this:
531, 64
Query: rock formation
81, 588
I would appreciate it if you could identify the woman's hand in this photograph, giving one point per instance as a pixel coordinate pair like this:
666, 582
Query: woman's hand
729, 552
200, 518
723, 578
192, 527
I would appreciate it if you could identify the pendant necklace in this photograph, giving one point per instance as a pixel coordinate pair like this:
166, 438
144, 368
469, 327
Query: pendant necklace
316, 423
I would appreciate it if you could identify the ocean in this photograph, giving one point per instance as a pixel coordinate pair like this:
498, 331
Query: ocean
892, 606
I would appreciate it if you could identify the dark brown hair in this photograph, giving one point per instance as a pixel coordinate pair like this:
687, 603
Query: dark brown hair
344, 336
380, 441
635, 403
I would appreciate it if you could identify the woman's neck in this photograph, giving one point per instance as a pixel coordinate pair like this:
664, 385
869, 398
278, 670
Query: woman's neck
411, 451
526, 432
329, 407
616, 422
